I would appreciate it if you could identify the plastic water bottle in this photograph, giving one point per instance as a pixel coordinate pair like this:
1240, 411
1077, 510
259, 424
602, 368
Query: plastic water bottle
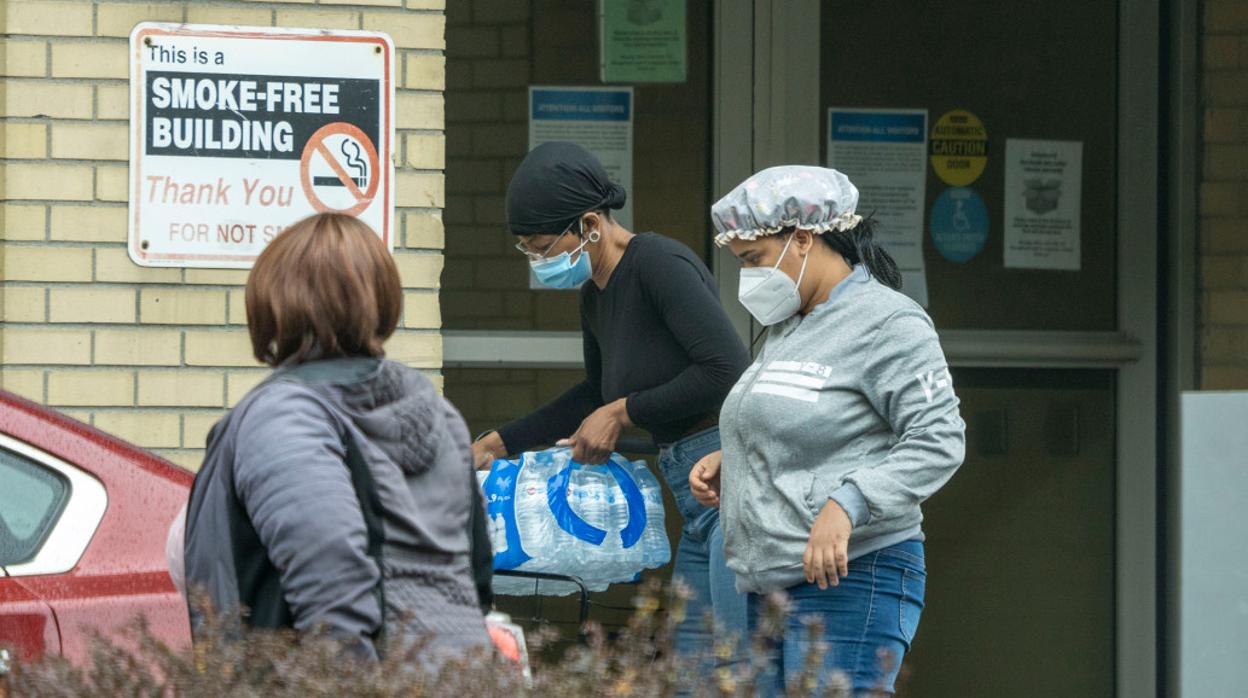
654, 546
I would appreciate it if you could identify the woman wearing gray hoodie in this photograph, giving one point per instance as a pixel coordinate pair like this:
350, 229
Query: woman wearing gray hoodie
339, 493
844, 424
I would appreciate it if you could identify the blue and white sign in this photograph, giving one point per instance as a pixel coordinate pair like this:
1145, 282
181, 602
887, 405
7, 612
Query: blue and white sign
959, 224
884, 153
878, 126
599, 119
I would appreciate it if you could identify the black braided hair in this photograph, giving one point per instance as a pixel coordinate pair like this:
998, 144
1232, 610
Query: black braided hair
858, 246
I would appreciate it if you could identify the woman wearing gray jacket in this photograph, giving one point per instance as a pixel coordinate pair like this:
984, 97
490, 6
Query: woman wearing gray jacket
338, 494
845, 423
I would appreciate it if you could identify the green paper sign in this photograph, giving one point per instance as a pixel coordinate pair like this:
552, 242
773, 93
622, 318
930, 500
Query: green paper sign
643, 40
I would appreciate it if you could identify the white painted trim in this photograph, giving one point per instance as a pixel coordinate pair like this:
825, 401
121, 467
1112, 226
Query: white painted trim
76, 525
511, 349
964, 348
1035, 349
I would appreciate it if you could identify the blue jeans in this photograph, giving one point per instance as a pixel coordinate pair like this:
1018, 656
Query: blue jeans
868, 622
700, 554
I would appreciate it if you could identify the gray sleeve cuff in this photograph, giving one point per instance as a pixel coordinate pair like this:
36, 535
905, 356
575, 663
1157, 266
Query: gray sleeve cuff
850, 498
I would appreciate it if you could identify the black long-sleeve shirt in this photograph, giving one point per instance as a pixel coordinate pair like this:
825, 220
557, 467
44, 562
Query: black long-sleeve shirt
657, 335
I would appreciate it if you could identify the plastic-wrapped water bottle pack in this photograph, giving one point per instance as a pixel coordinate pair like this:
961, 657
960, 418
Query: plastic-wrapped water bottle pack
602, 523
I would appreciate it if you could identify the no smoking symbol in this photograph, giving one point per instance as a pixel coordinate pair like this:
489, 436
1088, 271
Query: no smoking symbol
339, 169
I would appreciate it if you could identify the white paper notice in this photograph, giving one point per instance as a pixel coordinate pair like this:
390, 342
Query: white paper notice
599, 119
1043, 184
884, 153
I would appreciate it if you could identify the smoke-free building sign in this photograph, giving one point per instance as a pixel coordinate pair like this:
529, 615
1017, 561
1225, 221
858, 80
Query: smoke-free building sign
237, 132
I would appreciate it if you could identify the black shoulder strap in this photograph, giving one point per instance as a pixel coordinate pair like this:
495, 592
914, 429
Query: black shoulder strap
482, 547
259, 586
370, 506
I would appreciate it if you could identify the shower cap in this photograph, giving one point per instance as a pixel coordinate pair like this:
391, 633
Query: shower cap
790, 196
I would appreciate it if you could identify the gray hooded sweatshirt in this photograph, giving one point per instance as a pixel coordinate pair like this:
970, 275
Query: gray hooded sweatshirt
853, 402
282, 451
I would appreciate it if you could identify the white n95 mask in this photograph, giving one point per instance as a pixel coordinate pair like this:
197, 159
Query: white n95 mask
769, 294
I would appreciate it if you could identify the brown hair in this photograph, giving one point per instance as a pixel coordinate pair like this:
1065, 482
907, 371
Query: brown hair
325, 287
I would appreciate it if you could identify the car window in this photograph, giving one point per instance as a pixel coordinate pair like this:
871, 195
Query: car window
31, 499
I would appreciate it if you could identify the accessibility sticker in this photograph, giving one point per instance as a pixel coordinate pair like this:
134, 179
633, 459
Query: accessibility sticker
238, 132
959, 224
958, 148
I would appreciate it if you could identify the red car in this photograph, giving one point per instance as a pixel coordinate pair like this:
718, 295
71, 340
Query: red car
83, 522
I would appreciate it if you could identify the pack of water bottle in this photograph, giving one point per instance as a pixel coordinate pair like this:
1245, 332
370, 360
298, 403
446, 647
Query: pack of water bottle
602, 523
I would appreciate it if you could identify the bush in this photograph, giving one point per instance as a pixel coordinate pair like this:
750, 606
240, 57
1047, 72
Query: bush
266, 664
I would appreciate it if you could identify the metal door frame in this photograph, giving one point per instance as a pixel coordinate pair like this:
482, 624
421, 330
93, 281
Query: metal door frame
773, 46
784, 63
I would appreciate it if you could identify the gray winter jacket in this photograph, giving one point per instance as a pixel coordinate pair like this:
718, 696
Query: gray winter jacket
854, 403
282, 450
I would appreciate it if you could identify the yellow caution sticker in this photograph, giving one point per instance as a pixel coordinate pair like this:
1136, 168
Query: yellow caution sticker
958, 148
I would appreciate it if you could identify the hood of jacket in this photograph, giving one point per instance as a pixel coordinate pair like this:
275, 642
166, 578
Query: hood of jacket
398, 410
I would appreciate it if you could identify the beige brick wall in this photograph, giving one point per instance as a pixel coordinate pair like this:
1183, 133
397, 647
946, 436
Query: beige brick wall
487, 75
491, 397
156, 355
1224, 197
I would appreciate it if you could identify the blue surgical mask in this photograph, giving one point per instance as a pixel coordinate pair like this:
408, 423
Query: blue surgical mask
560, 271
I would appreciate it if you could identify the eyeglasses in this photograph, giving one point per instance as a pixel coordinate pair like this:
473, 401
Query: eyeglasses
535, 256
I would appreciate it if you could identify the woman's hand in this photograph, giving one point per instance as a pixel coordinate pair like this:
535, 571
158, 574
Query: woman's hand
704, 479
594, 441
827, 553
488, 449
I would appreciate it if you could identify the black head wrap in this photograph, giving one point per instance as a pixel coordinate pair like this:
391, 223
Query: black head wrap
555, 184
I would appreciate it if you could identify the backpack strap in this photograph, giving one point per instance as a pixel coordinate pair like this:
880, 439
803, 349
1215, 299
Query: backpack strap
370, 507
256, 588
482, 547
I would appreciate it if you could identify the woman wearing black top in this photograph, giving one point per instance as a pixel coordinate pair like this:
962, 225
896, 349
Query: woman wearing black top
659, 353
